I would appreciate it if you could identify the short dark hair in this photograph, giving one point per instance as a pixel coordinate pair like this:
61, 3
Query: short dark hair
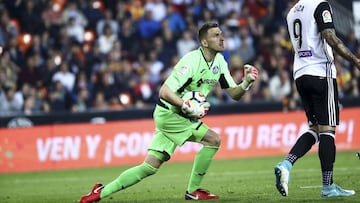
204, 29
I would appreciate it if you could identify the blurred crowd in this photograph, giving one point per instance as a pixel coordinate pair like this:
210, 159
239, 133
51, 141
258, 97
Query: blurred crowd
84, 55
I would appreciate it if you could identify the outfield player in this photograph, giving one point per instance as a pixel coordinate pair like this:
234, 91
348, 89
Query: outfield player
312, 33
179, 121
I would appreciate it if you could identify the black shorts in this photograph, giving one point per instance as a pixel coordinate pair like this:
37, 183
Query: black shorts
319, 96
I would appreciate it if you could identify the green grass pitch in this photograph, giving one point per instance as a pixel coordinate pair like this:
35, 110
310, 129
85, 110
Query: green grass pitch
239, 180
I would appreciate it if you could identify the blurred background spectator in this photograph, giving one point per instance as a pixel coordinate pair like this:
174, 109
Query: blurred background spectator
78, 56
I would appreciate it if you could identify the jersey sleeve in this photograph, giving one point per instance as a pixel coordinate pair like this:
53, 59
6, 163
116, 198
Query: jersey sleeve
226, 80
323, 16
181, 74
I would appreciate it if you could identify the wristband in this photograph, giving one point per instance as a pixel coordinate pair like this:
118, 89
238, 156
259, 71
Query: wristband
245, 85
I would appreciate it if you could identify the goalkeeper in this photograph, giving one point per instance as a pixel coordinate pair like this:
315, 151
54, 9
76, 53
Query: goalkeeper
199, 70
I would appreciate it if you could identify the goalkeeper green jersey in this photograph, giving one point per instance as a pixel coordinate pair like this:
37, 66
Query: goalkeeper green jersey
194, 73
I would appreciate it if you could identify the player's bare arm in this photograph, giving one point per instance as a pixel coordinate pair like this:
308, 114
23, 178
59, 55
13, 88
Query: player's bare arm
339, 47
236, 92
166, 94
251, 74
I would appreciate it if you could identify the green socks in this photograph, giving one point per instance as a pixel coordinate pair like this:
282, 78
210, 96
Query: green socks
201, 164
136, 174
128, 178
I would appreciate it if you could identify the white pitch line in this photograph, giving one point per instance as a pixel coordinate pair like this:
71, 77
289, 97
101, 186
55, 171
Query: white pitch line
310, 186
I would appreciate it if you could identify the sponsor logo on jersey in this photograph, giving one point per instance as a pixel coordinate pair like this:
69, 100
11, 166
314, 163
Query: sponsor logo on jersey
215, 69
299, 8
326, 15
210, 82
306, 53
183, 70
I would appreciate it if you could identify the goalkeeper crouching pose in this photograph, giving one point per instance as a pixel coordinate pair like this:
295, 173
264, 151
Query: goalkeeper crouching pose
179, 121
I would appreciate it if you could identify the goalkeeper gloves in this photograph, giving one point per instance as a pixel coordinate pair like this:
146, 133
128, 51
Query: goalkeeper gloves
250, 75
194, 109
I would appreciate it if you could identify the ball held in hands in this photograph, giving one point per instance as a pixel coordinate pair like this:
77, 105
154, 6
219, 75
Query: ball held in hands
195, 105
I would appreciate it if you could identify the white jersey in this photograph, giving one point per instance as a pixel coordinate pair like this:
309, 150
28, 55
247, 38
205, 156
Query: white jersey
313, 55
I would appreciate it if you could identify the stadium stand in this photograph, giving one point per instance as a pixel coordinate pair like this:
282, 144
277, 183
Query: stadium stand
104, 55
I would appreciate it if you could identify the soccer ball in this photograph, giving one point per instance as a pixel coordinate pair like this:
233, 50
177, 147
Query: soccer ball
194, 96
197, 101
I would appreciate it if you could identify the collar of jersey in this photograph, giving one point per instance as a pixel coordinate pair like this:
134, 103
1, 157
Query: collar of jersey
212, 62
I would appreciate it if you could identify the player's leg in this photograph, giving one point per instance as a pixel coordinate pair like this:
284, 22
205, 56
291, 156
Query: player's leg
301, 147
304, 142
126, 179
203, 159
160, 150
178, 130
133, 175
283, 169
327, 152
328, 117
